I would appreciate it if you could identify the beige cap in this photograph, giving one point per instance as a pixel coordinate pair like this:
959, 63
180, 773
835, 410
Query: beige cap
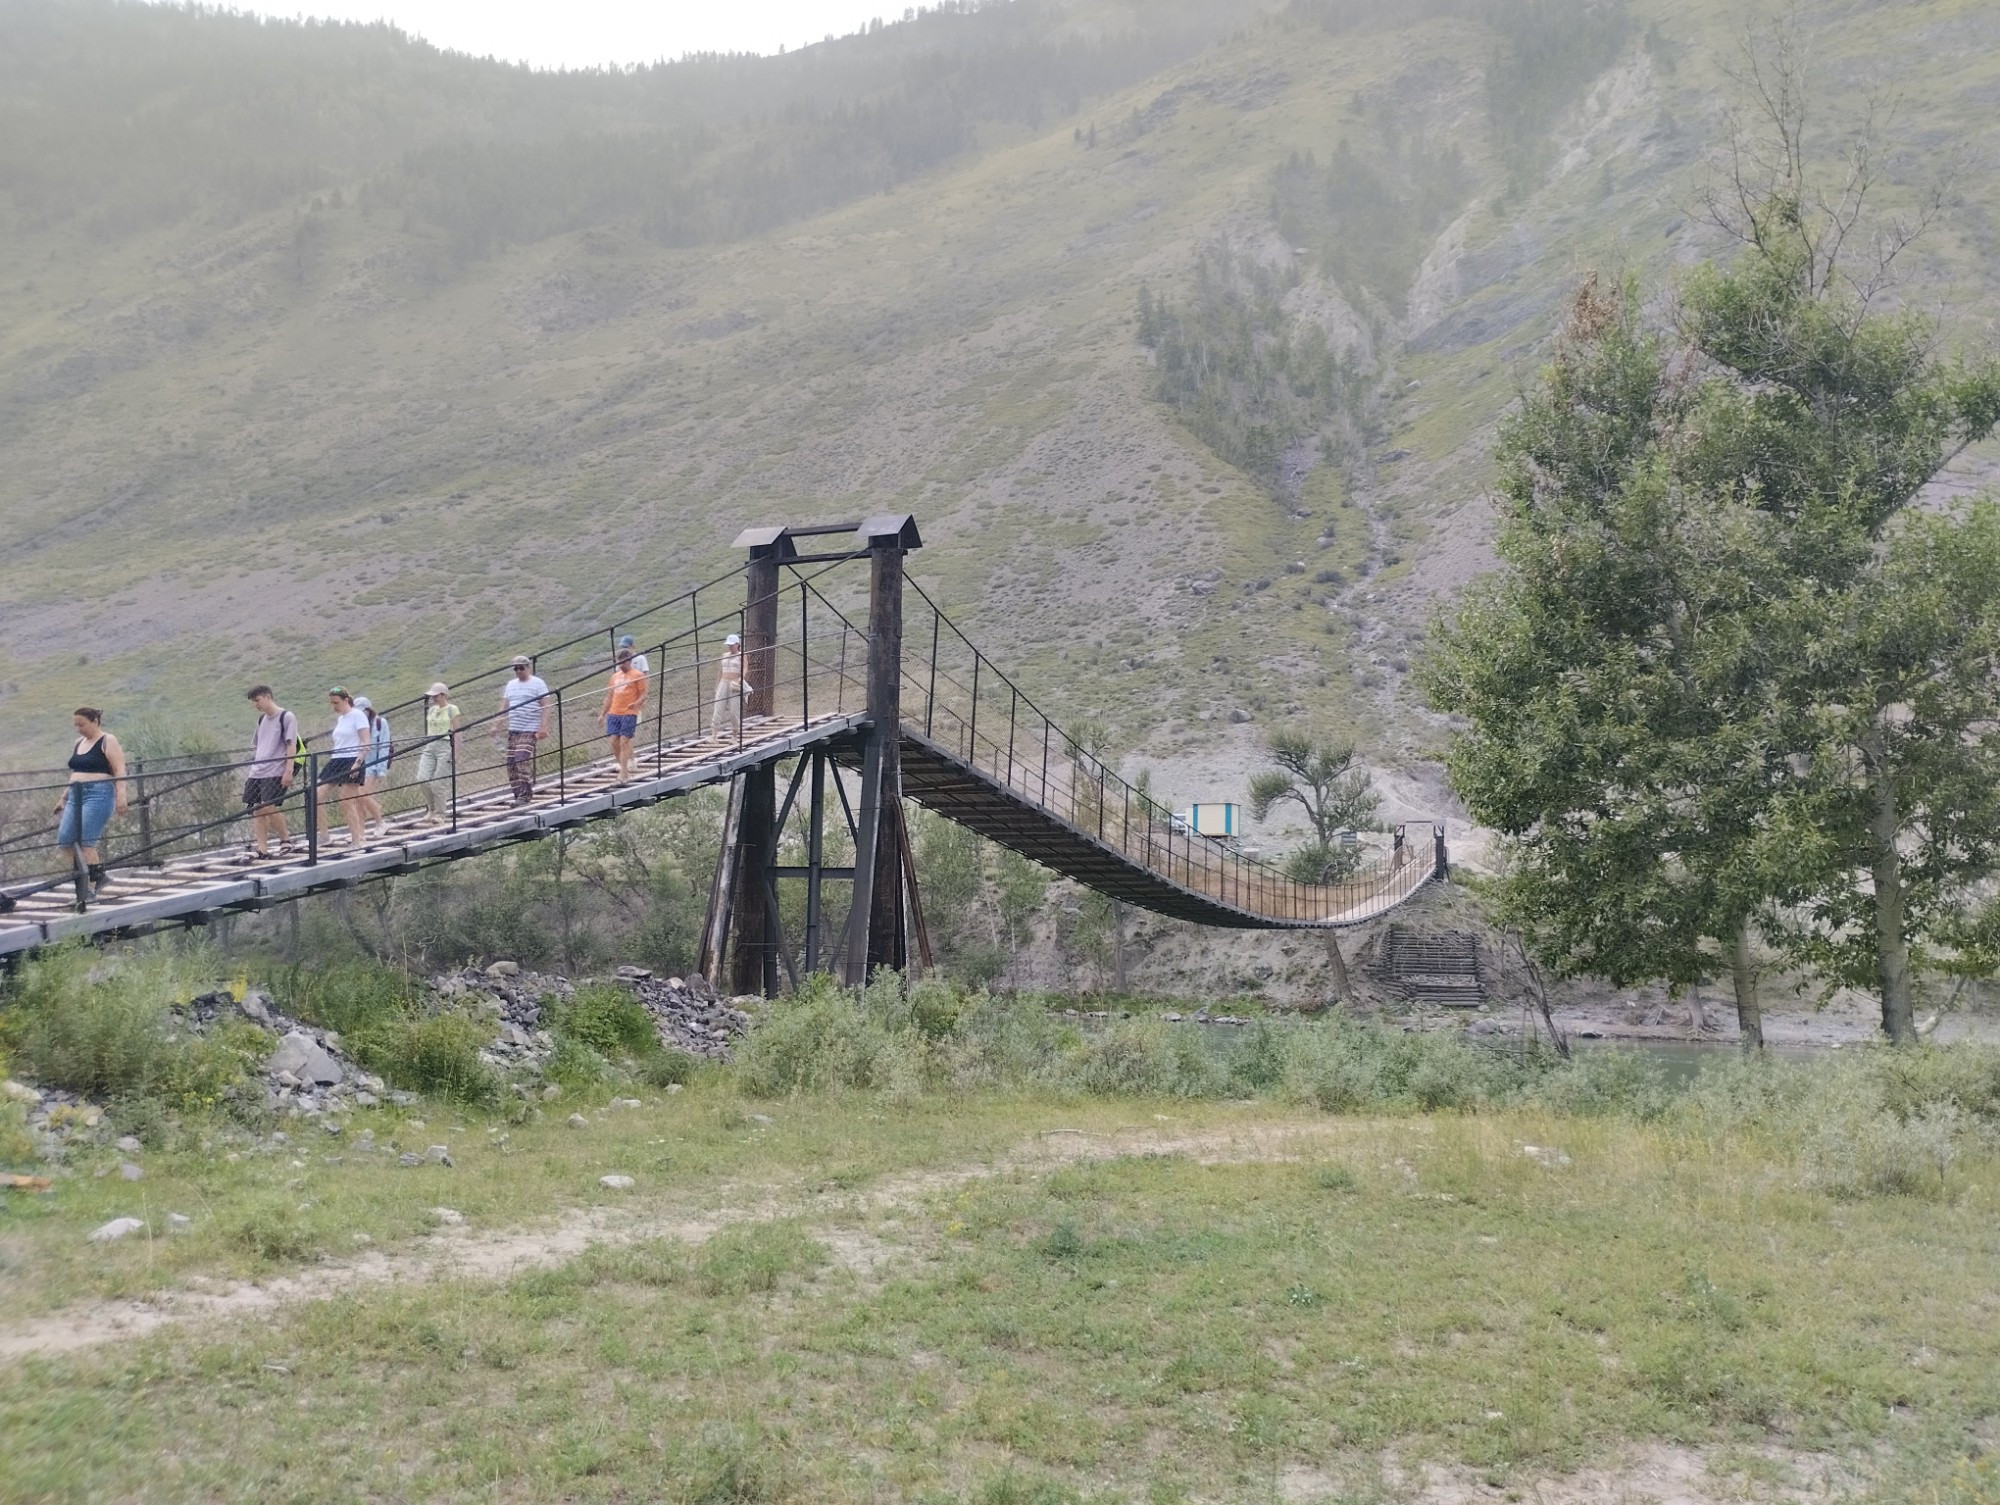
440, 688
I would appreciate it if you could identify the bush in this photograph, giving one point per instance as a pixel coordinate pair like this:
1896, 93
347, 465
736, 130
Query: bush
608, 1019
821, 1038
1601, 1083
1146, 1057
433, 1053
107, 1031
348, 997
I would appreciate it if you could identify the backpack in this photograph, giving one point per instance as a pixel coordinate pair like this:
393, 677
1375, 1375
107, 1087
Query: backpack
298, 742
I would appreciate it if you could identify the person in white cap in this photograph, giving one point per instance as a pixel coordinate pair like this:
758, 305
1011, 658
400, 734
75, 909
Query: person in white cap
440, 754
730, 687
525, 700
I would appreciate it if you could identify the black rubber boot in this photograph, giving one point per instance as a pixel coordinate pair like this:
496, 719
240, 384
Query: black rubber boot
98, 877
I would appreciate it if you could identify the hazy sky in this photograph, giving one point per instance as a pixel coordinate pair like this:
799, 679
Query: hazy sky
582, 33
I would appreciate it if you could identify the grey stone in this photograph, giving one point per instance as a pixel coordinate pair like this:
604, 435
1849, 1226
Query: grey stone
117, 1228
19, 1092
292, 1053
1239, 716
551, 1092
286, 1079
626, 1102
257, 1005
177, 1221
410, 1158
365, 1099
578, 1121
760, 1118
129, 1144
450, 1217
439, 1154
401, 1099
617, 1183
504, 969
320, 1067
130, 1171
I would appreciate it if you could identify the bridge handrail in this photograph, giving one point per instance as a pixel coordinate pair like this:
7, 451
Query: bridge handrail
1074, 785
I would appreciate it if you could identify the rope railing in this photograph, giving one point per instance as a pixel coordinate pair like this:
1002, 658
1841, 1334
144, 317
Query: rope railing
961, 701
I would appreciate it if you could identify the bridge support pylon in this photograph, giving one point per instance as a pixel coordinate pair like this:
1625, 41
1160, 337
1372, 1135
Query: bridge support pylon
743, 900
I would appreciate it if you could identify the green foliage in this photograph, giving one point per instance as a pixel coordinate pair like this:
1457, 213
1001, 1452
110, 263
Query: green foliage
346, 997
1370, 228
605, 1017
106, 1030
275, 1229
1337, 796
1728, 677
1236, 371
818, 1039
431, 1053
484, 155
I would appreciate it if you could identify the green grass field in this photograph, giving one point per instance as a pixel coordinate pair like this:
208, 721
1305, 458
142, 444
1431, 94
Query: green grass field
1000, 1298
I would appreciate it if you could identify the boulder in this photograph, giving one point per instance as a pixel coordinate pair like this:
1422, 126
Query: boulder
116, 1229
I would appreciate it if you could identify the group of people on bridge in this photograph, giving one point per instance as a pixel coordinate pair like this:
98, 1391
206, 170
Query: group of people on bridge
354, 770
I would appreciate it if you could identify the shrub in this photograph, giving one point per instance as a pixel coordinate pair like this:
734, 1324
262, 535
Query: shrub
1599, 1083
1136, 1057
347, 997
818, 1039
434, 1053
107, 1031
273, 1229
1852, 1153
607, 1018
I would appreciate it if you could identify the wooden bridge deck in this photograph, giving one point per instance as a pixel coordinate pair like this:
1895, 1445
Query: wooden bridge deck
188, 889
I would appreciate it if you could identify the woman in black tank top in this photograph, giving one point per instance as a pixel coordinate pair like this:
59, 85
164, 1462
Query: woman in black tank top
96, 792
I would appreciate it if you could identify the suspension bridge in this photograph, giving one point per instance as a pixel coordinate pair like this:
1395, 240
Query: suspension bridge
840, 721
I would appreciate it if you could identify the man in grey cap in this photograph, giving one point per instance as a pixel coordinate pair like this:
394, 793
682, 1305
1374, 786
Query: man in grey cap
440, 754
638, 658
525, 699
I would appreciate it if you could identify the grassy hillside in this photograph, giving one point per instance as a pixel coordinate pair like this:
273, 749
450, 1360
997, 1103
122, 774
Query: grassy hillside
317, 427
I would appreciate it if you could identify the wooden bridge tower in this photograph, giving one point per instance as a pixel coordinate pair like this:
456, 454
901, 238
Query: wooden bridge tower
743, 901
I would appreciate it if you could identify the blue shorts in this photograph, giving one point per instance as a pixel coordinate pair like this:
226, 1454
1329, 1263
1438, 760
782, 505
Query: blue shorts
621, 726
86, 811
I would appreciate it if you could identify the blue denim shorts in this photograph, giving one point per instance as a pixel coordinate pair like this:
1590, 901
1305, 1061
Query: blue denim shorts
86, 811
621, 726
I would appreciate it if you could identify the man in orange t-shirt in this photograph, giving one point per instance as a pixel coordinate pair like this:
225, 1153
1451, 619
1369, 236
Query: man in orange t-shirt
624, 704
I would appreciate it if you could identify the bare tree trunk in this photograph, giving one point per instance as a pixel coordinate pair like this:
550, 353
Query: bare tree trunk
1743, 974
1117, 946
1337, 964
1892, 951
1697, 1014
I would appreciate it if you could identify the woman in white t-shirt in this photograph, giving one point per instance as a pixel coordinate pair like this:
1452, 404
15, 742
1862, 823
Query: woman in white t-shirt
730, 687
342, 771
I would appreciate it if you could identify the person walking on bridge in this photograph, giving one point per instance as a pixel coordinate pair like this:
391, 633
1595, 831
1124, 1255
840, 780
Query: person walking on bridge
341, 774
272, 747
96, 792
624, 704
730, 687
638, 659
375, 767
440, 754
525, 700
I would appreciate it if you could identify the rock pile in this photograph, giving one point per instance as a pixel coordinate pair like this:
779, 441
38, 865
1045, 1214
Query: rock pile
689, 1014
306, 1071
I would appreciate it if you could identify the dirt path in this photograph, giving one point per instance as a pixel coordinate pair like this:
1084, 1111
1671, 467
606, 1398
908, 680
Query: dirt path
458, 1254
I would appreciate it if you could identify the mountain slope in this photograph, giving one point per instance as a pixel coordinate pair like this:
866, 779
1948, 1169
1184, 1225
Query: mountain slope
319, 441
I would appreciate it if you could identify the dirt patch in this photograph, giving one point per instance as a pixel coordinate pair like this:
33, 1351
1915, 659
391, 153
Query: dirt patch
461, 1254
1655, 1474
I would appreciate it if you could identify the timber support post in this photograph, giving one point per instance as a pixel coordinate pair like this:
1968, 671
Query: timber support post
754, 962
878, 930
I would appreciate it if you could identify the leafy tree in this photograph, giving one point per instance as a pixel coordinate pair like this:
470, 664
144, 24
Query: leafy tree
1731, 676
1336, 794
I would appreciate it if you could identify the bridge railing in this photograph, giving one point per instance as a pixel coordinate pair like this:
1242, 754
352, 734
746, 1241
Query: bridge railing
192, 804
956, 697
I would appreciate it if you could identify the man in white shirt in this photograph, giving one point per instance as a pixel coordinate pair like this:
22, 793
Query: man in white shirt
638, 659
525, 699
